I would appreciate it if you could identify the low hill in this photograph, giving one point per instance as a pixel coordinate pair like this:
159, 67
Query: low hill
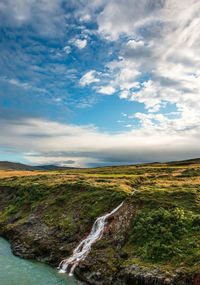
6, 165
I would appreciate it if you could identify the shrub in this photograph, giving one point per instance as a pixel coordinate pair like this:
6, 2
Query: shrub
157, 233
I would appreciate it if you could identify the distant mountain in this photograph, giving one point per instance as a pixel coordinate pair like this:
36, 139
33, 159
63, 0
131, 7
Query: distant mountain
7, 165
52, 167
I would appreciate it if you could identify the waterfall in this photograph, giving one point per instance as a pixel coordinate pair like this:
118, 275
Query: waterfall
83, 249
133, 191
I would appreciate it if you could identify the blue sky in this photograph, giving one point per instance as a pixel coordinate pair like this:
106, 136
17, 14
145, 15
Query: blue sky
91, 83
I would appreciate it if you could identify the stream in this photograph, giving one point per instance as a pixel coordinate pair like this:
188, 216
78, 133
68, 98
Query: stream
18, 271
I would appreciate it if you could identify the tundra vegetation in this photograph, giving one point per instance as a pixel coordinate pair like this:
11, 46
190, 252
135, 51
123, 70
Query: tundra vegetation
164, 232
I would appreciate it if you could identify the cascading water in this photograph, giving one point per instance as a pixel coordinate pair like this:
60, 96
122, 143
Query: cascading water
83, 249
134, 190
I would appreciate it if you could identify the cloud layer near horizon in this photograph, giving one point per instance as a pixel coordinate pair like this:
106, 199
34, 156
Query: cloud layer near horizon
46, 142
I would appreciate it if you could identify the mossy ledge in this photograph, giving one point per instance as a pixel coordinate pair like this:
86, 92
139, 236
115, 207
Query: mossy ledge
152, 239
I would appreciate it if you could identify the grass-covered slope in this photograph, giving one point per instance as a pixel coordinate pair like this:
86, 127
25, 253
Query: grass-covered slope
6, 165
155, 233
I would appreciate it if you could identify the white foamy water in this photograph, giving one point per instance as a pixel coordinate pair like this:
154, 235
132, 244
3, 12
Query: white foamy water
83, 249
133, 191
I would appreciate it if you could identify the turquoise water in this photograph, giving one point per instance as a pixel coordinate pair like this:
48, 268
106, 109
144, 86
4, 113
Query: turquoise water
17, 271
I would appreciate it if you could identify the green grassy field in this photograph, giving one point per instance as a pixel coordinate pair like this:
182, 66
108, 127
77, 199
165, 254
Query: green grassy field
165, 231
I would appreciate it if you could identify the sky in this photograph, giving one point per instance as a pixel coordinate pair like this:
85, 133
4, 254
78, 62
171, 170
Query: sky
93, 82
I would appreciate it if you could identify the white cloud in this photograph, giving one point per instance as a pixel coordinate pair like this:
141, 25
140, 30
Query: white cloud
67, 49
107, 90
85, 18
47, 18
154, 109
89, 77
135, 44
124, 17
124, 94
159, 59
80, 43
148, 94
24, 85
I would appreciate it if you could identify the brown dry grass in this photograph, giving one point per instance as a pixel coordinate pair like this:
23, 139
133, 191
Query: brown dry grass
11, 173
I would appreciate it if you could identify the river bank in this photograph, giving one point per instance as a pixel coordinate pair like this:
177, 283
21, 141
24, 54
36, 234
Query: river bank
17, 271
